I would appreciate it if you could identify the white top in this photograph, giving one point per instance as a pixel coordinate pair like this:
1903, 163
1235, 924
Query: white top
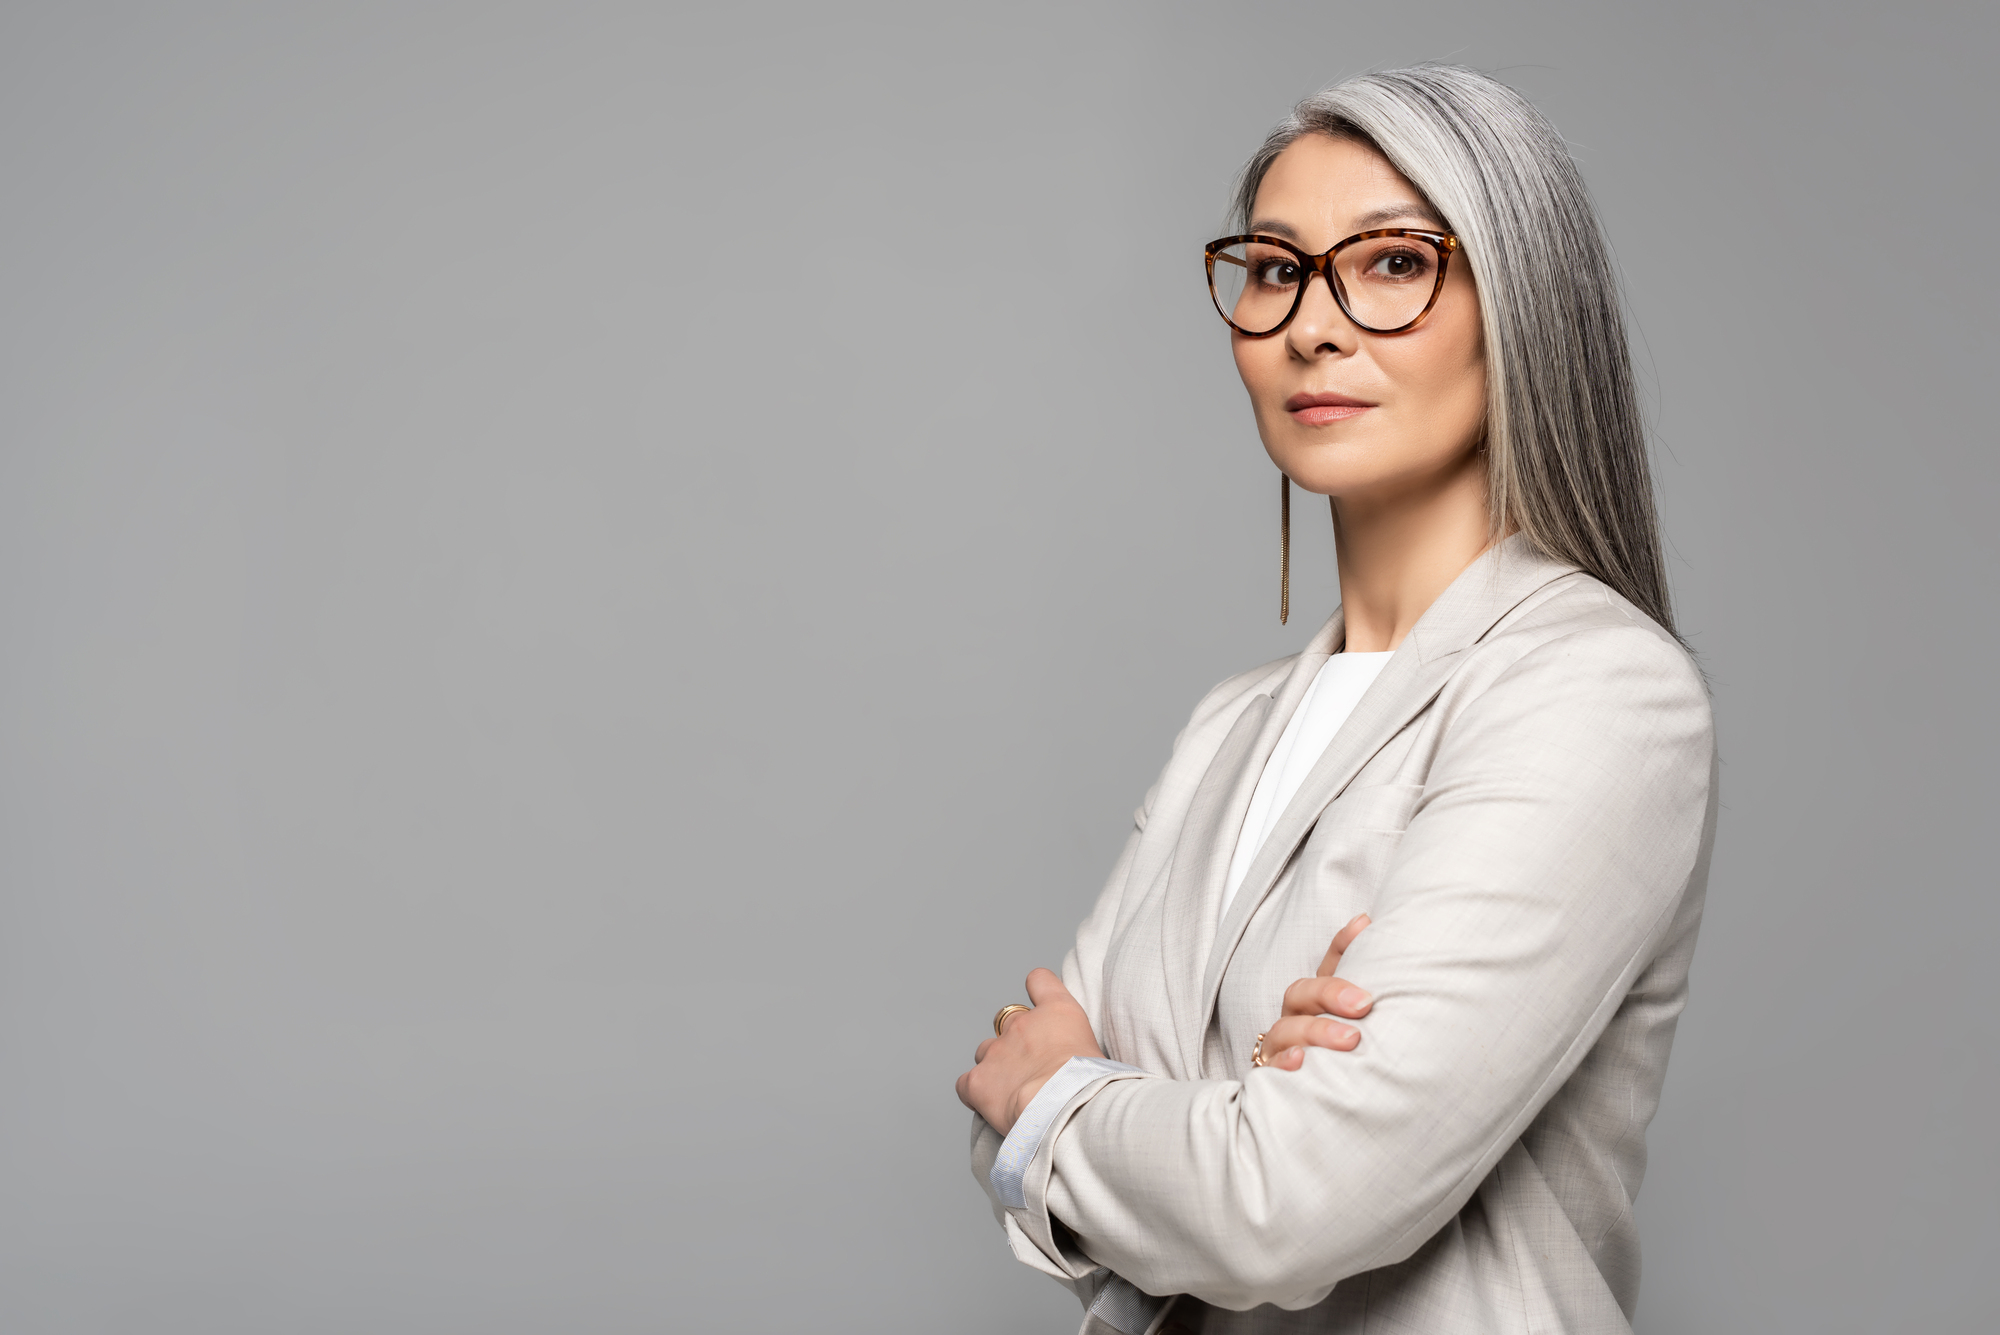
1338, 686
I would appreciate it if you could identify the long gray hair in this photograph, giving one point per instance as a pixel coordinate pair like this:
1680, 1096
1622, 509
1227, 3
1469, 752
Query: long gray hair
1566, 448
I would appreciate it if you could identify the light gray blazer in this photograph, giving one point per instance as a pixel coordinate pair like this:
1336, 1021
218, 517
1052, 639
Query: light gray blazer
1524, 803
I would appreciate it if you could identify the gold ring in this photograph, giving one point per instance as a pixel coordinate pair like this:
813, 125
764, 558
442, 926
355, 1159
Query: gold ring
1000, 1016
1257, 1051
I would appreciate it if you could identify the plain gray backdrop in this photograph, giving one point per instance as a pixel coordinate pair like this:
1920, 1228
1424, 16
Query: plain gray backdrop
529, 534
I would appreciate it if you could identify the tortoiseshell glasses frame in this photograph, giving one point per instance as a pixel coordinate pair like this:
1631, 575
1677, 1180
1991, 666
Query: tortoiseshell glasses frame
1443, 244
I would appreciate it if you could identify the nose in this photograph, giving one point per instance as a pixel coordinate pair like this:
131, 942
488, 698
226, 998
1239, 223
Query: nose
1320, 325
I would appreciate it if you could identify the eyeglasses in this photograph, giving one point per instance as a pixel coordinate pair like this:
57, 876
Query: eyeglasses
1386, 281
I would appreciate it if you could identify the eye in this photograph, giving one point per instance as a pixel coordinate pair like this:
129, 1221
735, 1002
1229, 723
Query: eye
1275, 272
1398, 265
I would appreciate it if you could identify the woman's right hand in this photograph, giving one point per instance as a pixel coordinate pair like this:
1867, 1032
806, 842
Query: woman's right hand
1311, 1001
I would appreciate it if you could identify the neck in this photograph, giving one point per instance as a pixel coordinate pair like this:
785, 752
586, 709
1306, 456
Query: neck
1398, 552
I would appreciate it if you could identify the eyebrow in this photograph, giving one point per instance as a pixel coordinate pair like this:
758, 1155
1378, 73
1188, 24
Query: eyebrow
1395, 212
1375, 218
1274, 228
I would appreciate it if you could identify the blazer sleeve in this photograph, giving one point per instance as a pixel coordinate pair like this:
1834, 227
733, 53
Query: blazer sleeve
1562, 820
1083, 965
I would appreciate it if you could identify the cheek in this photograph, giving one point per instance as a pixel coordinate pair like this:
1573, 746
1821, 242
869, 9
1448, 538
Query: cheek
1254, 363
1472, 379
1473, 384
1450, 379
1244, 350
1468, 358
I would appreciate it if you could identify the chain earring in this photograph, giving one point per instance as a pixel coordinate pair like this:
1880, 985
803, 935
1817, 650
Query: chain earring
1284, 548
1285, 543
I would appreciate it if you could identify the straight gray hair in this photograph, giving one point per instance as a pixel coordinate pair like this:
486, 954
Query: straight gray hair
1566, 447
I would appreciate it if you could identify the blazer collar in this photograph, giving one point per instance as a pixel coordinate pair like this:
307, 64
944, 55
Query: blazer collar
1492, 586
1503, 577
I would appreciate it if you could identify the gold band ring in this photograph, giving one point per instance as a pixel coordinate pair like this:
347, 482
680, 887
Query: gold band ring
1257, 1052
1000, 1016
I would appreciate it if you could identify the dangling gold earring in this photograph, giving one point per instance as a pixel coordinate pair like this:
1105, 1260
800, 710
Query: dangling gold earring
1284, 548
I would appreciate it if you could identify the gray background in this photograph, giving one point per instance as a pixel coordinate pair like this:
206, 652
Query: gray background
530, 536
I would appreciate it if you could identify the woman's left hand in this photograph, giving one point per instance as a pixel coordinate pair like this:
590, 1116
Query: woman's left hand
1010, 1070
1310, 1004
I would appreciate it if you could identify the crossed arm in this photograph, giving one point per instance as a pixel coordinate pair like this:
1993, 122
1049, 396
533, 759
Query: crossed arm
1010, 1070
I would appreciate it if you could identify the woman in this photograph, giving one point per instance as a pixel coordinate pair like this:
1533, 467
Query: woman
1484, 793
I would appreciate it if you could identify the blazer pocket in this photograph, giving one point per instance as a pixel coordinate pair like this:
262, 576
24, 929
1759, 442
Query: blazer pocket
1350, 849
1381, 808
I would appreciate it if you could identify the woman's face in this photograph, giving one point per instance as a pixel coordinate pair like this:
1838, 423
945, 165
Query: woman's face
1416, 400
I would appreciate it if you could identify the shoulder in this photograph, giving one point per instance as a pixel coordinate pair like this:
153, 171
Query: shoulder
1577, 648
1226, 699
1214, 716
1579, 615
1217, 711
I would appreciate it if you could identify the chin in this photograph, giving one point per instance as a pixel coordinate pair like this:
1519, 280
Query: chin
1336, 468
1323, 485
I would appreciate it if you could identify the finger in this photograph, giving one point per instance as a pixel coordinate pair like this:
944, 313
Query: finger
1291, 1059
964, 1088
1341, 941
979, 1053
1314, 1031
1044, 987
1327, 996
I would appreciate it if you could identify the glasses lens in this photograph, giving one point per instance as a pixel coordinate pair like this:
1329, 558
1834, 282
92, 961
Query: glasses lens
1388, 280
1255, 284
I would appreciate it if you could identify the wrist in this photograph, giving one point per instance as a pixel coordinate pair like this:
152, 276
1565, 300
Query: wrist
1025, 1092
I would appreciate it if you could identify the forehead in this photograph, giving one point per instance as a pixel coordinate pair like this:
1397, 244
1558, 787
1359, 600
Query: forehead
1321, 189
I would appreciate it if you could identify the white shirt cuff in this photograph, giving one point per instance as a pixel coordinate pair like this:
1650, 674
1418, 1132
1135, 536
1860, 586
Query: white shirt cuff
1025, 1138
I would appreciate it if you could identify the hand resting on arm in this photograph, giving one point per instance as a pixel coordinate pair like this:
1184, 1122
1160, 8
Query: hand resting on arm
1010, 1070
1311, 1004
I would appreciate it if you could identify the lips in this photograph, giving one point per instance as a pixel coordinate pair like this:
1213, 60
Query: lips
1319, 409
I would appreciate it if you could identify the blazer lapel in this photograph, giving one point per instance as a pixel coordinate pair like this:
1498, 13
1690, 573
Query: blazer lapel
1483, 593
1208, 837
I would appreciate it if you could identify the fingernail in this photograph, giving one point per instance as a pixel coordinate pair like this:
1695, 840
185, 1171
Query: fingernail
1342, 1033
1355, 999
1295, 1054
